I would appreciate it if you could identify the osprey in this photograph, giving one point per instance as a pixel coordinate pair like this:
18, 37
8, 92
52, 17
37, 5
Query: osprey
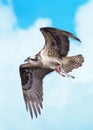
53, 57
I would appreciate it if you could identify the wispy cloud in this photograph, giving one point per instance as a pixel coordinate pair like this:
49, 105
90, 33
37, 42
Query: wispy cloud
84, 28
15, 45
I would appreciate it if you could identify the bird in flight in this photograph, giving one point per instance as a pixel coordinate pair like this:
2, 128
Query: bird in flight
53, 57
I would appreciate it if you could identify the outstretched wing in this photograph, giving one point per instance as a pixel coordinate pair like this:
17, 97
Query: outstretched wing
57, 40
31, 79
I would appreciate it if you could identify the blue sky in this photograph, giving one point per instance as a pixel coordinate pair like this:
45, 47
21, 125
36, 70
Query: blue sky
58, 11
68, 103
61, 12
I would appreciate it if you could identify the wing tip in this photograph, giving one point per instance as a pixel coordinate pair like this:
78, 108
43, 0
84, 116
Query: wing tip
34, 108
76, 38
66, 33
36, 111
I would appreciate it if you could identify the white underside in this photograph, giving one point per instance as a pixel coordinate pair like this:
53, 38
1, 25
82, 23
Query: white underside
48, 61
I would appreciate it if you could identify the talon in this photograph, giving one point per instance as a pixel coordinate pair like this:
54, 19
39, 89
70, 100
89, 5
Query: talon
58, 69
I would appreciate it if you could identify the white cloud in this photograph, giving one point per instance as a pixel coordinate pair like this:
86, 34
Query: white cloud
58, 96
7, 19
15, 45
15, 42
84, 28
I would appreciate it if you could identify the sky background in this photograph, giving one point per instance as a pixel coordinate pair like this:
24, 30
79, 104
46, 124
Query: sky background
68, 103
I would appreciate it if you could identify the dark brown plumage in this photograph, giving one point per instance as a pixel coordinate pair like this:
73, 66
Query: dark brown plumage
31, 79
57, 40
52, 57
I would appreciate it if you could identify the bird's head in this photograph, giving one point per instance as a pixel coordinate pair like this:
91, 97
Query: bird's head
30, 59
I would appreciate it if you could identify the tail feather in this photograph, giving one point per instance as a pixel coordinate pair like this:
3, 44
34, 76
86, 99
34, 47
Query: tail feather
73, 62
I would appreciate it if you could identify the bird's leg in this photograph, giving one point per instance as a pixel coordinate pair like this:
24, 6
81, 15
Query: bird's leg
59, 70
66, 74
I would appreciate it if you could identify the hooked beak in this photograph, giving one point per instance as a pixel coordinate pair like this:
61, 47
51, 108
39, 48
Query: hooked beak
26, 60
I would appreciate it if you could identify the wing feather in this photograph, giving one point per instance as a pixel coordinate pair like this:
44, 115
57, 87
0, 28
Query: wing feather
57, 40
31, 78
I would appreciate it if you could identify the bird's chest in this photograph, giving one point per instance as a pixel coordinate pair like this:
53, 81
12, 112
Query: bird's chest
49, 59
